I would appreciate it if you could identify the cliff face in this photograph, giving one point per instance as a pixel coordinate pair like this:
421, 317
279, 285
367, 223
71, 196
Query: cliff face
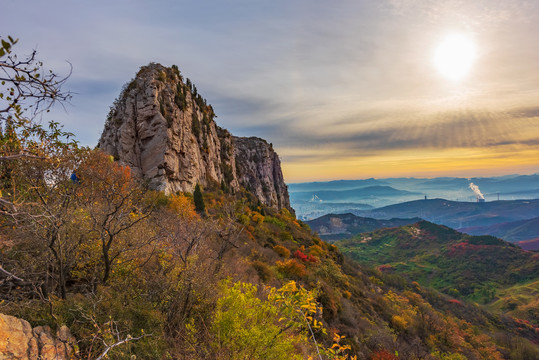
259, 171
164, 130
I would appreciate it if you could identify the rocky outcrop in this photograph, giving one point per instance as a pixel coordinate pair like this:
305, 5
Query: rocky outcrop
259, 170
165, 131
18, 341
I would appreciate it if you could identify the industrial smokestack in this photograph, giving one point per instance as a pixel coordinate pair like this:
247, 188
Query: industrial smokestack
478, 194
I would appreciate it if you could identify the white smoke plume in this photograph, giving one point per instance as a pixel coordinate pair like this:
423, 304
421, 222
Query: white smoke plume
476, 190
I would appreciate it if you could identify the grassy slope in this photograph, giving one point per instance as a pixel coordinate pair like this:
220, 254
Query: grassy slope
520, 301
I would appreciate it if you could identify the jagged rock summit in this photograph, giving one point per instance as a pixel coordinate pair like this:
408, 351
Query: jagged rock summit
165, 131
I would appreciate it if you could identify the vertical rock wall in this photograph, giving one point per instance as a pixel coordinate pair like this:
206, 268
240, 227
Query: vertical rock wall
259, 171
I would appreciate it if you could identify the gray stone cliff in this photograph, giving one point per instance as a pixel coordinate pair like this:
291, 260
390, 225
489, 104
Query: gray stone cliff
259, 170
165, 131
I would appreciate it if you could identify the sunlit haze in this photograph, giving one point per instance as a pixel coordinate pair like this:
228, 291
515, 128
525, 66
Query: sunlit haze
348, 89
455, 56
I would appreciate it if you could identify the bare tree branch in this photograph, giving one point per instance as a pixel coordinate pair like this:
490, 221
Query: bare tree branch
118, 343
10, 277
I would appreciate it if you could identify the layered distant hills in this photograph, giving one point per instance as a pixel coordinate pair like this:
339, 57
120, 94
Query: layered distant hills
314, 199
458, 214
506, 206
521, 231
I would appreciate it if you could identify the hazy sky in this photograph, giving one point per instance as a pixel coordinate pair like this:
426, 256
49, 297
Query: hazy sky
343, 89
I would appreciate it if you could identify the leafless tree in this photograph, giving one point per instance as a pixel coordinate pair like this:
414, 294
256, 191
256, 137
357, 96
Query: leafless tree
45, 198
27, 88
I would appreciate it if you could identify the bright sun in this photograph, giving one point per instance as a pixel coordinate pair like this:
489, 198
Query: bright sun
455, 56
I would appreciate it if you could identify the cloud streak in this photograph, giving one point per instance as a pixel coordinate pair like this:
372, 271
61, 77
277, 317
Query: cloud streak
452, 129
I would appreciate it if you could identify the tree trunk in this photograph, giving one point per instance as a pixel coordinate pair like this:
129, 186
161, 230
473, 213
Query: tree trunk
106, 260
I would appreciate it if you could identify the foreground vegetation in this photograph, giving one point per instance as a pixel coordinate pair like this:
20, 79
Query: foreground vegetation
133, 272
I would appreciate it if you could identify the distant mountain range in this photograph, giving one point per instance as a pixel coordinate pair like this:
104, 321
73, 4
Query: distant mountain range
313, 199
457, 214
349, 195
334, 185
508, 220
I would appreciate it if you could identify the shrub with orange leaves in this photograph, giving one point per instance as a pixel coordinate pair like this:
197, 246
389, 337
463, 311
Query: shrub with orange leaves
257, 218
292, 268
399, 322
183, 206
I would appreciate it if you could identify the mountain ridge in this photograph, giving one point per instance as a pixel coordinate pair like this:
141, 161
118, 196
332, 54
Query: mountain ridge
457, 214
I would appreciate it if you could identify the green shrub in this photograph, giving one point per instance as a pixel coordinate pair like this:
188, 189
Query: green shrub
273, 220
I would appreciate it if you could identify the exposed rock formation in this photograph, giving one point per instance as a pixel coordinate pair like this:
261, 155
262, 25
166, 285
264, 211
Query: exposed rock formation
164, 130
259, 170
18, 341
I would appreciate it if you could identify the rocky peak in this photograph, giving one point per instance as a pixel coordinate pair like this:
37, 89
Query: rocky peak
165, 131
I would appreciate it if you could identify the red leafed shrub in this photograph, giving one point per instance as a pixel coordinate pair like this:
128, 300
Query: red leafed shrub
455, 301
298, 254
386, 267
383, 355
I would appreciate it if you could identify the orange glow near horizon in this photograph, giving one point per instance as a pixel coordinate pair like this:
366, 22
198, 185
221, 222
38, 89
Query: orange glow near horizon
428, 164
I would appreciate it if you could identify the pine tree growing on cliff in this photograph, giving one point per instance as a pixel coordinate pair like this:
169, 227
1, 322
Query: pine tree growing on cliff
200, 207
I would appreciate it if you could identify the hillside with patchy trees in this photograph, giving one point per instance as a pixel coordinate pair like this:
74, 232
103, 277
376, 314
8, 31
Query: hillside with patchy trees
135, 273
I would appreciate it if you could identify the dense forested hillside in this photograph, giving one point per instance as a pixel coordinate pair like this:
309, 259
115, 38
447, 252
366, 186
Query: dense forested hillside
224, 283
